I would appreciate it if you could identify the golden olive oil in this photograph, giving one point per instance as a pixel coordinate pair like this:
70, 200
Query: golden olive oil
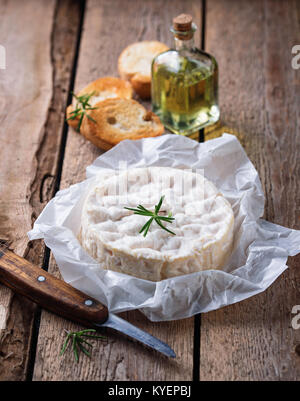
185, 88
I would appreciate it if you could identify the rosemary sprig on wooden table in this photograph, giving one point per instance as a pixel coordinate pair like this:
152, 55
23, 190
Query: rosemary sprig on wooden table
142, 211
79, 343
81, 108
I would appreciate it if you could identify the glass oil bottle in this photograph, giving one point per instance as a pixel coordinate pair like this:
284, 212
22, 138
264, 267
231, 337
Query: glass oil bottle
184, 86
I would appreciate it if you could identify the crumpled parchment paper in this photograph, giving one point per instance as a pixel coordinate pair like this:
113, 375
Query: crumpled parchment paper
260, 248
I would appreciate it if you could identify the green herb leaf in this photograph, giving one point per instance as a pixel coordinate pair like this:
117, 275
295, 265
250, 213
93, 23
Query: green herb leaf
82, 106
66, 343
74, 345
75, 338
142, 211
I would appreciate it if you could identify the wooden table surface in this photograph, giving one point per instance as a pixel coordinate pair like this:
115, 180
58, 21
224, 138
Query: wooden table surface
55, 46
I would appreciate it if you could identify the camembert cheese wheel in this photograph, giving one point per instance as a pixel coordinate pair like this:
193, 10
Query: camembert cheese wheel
203, 223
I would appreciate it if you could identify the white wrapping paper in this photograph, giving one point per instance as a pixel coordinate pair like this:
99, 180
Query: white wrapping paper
260, 248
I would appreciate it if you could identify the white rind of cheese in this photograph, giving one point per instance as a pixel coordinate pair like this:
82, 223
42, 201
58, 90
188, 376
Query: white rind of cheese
203, 223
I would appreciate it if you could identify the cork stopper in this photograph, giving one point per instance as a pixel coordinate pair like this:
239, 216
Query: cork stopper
182, 26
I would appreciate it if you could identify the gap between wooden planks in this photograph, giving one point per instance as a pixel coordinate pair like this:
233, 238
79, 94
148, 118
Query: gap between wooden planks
118, 358
260, 99
34, 88
262, 343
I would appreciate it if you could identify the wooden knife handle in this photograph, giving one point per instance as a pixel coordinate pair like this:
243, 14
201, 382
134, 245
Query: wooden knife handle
49, 292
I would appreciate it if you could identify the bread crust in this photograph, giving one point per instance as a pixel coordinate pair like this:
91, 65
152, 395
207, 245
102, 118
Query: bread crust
122, 88
119, 119
141, 85
140, 80
119, 87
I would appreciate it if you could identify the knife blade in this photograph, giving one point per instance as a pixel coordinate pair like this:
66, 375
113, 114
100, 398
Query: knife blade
58, 297
115, 322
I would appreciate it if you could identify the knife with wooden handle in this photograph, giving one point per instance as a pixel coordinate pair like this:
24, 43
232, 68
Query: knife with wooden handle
62, 299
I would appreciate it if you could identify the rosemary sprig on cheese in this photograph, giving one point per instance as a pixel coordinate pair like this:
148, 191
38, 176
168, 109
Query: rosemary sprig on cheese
154, 216
79, 343
81, 108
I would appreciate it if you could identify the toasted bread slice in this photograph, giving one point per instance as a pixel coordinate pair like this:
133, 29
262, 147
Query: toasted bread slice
114, 120
103, 88
134, 64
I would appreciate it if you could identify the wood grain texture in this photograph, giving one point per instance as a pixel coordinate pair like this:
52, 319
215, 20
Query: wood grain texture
49, 292
34, 90
110, 26
26, 91
260, 98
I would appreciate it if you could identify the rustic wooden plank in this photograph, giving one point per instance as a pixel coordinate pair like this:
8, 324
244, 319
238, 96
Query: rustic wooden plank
26, 94
109, 26
34, 89
260, 97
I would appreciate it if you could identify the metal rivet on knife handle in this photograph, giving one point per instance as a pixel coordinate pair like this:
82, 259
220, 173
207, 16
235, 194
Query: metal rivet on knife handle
48, 291
59, 297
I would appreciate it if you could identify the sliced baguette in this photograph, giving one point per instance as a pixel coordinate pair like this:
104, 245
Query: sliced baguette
134, 64
104, 88
119, 119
